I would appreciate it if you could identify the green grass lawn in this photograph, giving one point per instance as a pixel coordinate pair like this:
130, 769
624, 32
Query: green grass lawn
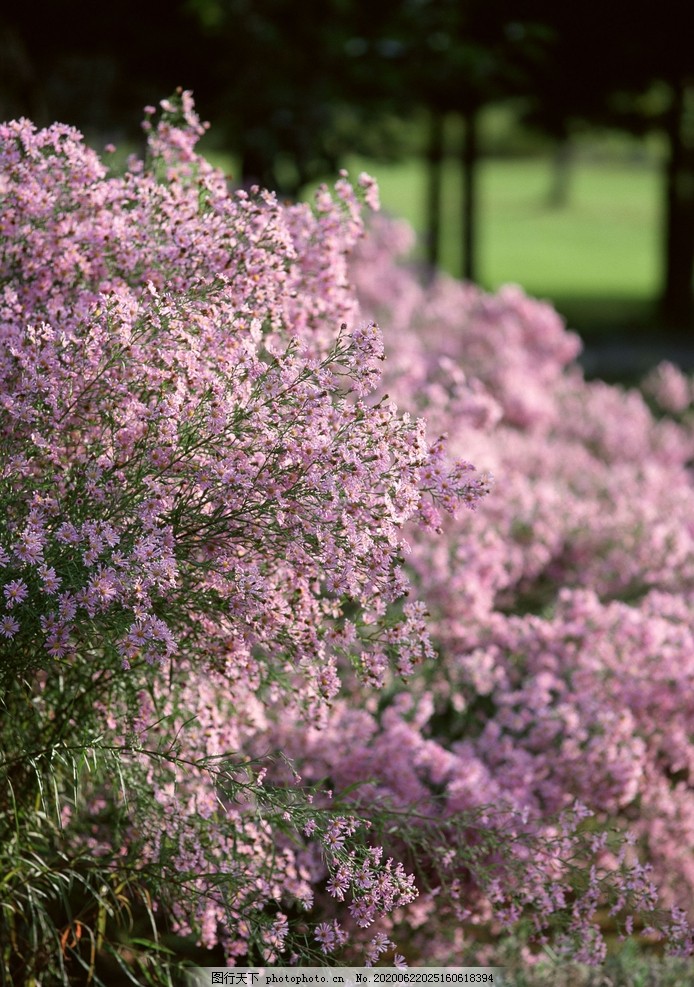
596, 258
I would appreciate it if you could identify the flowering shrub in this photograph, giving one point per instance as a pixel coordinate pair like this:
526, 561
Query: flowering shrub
202, 519
219, 552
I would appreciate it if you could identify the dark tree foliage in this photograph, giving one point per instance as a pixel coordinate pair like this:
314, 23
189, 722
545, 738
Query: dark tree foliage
293, 84
95, 66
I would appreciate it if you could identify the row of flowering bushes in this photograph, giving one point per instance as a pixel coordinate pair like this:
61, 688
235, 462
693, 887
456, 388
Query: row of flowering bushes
269, 691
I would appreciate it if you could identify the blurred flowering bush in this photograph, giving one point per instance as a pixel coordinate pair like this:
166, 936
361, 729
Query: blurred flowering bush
224, 548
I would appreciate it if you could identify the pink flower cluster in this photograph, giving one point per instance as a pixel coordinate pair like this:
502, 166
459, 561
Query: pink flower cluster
231, 513
562, 612
203, 509
188, 451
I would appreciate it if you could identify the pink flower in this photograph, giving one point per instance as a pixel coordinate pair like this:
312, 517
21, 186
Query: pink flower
325, 935
15, 592
8, 626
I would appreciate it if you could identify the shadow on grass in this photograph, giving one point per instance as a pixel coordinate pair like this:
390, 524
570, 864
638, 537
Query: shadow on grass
623, 337
598, 316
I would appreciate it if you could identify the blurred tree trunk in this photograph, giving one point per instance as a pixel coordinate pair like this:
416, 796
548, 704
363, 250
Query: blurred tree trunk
434, 188
562, 161
469, 162
677, 302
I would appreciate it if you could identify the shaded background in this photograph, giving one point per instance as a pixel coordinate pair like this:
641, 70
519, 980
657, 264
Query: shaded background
545, 143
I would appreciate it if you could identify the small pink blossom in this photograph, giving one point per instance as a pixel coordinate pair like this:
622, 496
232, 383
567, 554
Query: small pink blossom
15, 592
8, 626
